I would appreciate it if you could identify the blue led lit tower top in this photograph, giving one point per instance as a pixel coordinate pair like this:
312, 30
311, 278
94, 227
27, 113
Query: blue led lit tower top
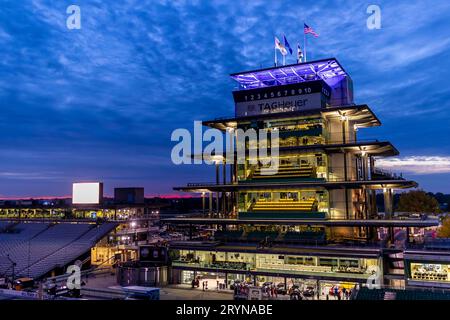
277, 82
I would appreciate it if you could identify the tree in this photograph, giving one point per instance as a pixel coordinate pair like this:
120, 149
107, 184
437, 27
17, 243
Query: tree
418, 201
444, 229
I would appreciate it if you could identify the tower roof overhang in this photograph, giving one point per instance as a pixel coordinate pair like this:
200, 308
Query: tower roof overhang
326, 185
328, 70
361, 115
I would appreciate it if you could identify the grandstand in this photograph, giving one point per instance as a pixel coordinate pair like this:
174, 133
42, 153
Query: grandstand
285, 205
285, 171
38, 248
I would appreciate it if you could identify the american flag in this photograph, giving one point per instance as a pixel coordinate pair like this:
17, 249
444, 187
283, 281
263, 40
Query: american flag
307, 29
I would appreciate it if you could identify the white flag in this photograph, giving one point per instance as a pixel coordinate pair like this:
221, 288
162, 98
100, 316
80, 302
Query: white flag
299, 54
280, 46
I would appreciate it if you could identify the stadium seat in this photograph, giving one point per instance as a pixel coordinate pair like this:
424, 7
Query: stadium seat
38, 248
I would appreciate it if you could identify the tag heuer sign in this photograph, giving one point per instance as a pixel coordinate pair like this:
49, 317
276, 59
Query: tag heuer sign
285, 98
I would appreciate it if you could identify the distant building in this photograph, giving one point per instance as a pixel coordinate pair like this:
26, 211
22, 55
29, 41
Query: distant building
129, 195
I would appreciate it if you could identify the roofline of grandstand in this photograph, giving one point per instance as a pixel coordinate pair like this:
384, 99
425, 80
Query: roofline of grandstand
312, 222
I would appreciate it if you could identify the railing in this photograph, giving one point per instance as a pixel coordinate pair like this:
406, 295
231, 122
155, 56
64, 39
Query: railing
289, 180
430, 245
283, 144
290, 269
199, 184
85, 273
385, 173
224, 266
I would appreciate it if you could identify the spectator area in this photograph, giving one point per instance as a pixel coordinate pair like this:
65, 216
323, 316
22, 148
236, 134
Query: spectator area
38, 248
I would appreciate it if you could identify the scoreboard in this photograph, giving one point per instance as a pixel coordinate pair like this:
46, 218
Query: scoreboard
284, 98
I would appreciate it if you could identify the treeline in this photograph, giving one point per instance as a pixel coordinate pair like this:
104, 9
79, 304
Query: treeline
442, 199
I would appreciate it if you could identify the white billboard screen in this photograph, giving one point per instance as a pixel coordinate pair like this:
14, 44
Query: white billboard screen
87, 193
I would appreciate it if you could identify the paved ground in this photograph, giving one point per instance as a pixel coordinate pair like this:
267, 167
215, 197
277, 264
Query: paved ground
187, 293
181, 291
175, 292
100, 281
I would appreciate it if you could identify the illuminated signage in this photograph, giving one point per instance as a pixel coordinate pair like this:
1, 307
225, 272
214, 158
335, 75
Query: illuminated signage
286, 98
87, 193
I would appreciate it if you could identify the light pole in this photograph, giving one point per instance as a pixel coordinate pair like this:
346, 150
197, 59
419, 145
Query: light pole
13, 267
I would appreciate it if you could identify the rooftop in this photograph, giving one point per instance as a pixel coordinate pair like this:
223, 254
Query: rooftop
329, 70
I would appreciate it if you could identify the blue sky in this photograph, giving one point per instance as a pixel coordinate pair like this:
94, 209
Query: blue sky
100, 103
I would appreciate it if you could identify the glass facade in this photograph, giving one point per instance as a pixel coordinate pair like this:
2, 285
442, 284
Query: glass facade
358, 268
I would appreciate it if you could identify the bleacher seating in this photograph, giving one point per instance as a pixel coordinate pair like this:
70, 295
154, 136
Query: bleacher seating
285, 205
70, 252
285, 171
3, 225
10, 239
37, 248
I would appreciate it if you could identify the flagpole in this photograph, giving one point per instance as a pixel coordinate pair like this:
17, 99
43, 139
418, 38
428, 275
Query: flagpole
304, 42
275, 52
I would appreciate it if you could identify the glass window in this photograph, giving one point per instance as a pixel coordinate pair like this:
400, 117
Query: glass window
328, 262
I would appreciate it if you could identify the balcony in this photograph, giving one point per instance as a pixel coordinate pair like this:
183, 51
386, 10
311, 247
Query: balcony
222, 265
283, 173
283, 209
380, 174
282, 215
310, 237
292, 269
313, 131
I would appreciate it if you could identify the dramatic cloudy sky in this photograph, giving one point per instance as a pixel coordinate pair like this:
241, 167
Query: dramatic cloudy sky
100, 103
